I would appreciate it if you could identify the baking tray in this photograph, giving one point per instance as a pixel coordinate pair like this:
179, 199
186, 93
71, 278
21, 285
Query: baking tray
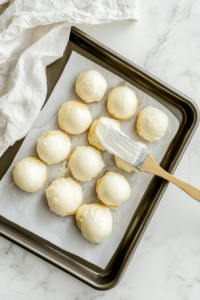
184, 109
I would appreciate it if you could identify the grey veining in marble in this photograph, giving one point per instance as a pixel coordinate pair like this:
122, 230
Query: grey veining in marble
166, 265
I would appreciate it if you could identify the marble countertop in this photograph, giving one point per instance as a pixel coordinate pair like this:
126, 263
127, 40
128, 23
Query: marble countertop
166, 265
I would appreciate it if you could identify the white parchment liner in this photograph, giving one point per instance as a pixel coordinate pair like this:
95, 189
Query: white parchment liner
31, 210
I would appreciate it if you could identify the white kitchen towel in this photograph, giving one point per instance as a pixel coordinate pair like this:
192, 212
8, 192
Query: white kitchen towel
33, 34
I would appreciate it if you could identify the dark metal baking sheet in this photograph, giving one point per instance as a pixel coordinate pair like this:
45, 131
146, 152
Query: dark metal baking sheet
181, 106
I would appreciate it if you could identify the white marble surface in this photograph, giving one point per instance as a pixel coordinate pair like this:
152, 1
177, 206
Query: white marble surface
166, 265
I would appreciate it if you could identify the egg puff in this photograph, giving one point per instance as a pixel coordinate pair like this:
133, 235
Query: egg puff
74, 117
122, 102
152, 124
91, 86
64, 196
95, 222
113, 189
92, 137
30, 174
85, 163
53, 146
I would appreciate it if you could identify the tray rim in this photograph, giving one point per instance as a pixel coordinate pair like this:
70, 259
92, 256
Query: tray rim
6, 227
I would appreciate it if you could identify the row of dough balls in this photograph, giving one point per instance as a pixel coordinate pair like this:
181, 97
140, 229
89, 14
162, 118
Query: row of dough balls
122, 104
64, 196
54, 147
90, 87
122, 101
74, 117
30, 173
95, 221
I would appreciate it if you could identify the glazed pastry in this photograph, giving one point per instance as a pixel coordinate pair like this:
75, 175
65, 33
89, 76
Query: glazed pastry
74, 117
30, 174
53, 147
152, 124
122, 103
64, 196
91, 86
113, 189
93, 138
85, 163
95, 222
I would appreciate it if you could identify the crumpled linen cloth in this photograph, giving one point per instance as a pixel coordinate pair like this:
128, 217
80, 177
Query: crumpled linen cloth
33, 34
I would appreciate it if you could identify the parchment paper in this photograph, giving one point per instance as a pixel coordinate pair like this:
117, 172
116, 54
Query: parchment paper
31, 210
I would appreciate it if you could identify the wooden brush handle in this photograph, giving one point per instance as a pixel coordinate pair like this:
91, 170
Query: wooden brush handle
150, 166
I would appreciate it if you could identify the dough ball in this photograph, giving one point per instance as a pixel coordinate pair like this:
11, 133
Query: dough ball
92, 137
123, 165
113, 189
95, 222
30, 174
152, 124
53, 147
74, 117
64, 196
122, 103
85, 163
91, 86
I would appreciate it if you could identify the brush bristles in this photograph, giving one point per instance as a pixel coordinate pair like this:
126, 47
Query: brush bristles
121, 145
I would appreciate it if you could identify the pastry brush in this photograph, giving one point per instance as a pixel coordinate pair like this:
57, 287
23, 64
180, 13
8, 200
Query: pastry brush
122, 146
